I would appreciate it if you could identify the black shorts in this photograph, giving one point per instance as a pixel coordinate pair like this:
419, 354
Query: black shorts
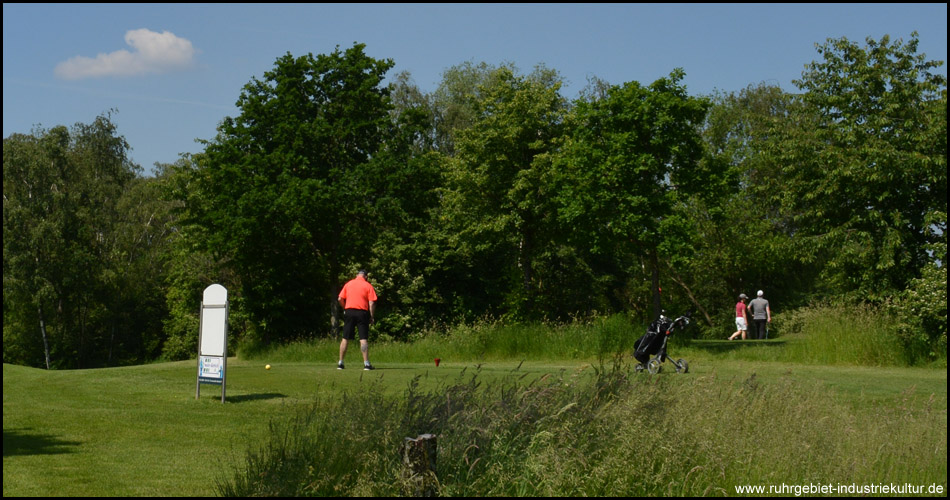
355, 318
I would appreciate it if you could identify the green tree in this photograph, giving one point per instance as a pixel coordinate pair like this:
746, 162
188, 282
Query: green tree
282, 197
629, 157
61, 221
35, 254
190, 265
862, 163
402, 188
400, 185
454, 102
496, 205
921, 308
448, 110
739, 237
134, 283
412, 113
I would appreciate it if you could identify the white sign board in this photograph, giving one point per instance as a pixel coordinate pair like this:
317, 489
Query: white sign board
213, 339
214, 326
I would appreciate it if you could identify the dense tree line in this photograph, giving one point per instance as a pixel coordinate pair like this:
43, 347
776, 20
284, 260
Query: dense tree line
493, 195
84, 243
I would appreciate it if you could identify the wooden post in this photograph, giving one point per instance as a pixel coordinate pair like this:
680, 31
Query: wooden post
419, 458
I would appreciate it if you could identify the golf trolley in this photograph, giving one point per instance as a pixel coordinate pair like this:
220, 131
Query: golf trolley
653, 343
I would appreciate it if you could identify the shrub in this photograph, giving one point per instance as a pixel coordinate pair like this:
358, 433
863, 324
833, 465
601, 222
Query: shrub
921, 312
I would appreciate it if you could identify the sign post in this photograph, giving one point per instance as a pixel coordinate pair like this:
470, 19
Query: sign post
213, 339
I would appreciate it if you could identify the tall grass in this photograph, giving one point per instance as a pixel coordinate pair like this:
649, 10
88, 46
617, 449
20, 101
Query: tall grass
844, 335
330, 449
610, 433
484, 340
605, 433
495, 340
856, 335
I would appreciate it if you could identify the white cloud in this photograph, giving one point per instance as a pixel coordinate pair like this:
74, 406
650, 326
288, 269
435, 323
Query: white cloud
152, 53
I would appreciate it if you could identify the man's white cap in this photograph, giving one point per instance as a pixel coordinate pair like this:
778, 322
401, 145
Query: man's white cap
760, 293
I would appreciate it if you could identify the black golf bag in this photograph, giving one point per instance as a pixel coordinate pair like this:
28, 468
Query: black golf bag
653, 343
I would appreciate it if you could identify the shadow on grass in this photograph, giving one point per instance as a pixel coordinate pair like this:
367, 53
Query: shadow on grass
718, 346
26, 442
242, 398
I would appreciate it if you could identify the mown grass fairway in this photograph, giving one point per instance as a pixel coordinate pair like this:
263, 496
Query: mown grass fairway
139, 431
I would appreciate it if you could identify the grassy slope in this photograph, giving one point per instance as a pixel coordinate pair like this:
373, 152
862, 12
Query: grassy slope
140, 431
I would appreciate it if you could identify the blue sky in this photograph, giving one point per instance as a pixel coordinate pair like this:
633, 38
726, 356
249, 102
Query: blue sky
172, 72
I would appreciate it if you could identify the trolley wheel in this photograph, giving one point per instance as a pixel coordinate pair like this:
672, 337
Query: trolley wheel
639, 368
681, 366
654, 366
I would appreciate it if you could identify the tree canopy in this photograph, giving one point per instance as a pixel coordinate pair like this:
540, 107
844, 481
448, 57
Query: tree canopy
284, 185
491, 196
861, 163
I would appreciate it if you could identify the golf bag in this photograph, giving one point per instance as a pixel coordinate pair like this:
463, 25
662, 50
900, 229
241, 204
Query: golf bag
653, 343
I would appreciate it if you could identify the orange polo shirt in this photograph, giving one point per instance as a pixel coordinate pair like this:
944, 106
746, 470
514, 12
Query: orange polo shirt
357, 294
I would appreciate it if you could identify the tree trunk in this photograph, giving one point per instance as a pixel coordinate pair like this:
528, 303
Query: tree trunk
82, 333
689, 293
419, 461
335, 313
655, 272
111, 342
43, 334
527, 272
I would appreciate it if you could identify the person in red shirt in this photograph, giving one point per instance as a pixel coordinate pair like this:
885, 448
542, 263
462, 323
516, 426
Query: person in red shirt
358, 300
742, 321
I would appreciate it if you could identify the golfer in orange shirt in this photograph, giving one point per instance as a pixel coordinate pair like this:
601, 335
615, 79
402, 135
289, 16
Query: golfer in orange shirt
358, 300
